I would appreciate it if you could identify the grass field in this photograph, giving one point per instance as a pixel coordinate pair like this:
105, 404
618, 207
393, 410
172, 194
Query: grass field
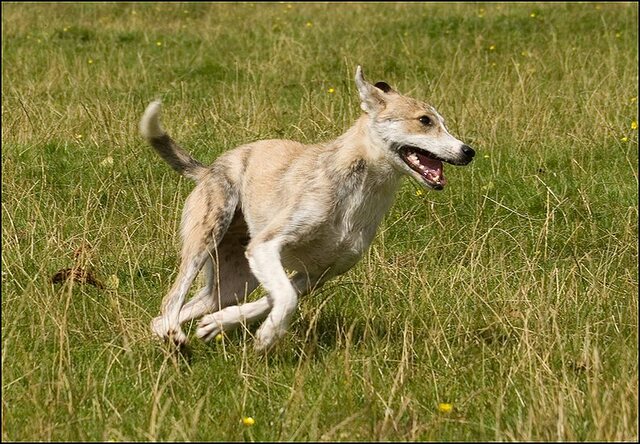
512, 295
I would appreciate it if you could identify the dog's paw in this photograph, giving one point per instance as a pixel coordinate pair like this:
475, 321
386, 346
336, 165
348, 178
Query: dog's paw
267, 336
160, 326
178, 338
208, 328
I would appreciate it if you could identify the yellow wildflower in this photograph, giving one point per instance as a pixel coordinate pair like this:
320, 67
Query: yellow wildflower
419, 192
331, 90
158, 43
488, 187
445, 407
624, 139
634, 125
492, 48
112, 282
248, 421
107, 162
309, 24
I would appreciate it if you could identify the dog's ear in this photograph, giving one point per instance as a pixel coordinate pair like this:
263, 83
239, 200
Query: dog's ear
372, 97
384, 86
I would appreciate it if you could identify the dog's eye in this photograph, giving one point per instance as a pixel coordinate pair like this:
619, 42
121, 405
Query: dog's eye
425, 120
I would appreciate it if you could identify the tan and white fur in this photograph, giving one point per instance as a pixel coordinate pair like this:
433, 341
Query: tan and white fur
274, 207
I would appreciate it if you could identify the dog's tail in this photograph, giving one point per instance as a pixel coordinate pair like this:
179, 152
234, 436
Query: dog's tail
169, 150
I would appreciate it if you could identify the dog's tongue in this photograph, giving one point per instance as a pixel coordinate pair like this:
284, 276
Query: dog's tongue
433, 170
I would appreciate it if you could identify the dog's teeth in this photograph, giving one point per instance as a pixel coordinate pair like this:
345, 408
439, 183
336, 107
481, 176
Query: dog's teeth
433, 178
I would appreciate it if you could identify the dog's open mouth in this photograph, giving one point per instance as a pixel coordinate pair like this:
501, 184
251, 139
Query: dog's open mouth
423, 163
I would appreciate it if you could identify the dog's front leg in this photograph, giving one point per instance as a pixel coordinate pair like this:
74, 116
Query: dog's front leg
265, 262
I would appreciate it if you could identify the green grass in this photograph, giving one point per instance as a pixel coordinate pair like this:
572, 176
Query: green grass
511, 295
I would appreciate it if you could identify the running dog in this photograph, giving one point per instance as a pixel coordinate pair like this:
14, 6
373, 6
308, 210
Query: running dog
271, 207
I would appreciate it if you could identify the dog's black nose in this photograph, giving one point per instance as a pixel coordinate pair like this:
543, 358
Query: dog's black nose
468, 151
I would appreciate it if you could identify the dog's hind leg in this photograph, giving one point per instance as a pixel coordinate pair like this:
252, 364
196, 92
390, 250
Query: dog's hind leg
208, 212
230, 318
229, 278
167, 325
203, 301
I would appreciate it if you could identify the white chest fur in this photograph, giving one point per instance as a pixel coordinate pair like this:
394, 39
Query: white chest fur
348, 228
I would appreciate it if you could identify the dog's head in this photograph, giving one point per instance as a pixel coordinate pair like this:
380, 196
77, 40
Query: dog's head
416, 138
